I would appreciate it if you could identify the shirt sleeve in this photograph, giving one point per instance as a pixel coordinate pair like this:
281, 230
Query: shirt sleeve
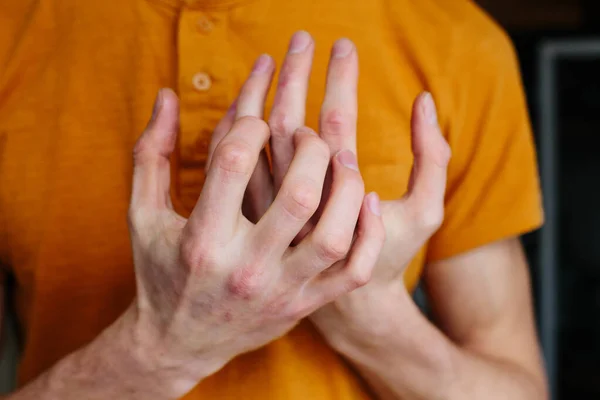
493, 188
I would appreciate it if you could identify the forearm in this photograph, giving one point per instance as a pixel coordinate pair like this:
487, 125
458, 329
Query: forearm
412, 359
110, 367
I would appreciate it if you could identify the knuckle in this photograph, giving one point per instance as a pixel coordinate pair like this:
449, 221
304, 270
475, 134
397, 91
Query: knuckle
336, 121
446, 153
430, 219
302, 200
359, 277
234, 157
438, 153
313, 145
147, 150
249, 122
139, 219
292, 75
332, 248
133, 218
197, 255
281, 125
141, 149
245, 283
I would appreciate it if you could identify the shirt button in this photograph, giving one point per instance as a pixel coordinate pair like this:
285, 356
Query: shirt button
201, 82
204, 25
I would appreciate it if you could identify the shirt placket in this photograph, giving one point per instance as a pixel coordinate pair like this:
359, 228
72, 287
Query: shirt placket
204, 87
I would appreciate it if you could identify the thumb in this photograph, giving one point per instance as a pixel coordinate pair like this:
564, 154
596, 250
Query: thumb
151, 168
427, 186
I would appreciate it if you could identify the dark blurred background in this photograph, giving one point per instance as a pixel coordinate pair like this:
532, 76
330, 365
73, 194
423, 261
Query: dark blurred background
558, 44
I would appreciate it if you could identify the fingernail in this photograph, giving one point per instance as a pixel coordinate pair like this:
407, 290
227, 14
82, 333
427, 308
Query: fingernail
429, 109
348, 159
157, 105
373, 203
299, 42
342, 48
262, 64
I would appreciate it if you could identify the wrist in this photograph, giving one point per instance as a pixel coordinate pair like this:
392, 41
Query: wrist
404, 351
371, 319
109, 366
125, 358
160, 359
157, 363
387, 314
142, 361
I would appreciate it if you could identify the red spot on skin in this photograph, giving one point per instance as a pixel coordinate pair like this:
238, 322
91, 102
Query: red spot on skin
335, 119
283, 82
244, 283
284, 77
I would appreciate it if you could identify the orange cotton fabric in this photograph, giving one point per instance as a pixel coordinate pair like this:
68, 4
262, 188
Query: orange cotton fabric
77, 83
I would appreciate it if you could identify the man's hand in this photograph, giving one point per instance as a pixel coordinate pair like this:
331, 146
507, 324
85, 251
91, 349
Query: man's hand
217, 285
409, 222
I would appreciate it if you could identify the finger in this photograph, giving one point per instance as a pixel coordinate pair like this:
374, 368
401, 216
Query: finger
151, 170
300, 193
356, 271
339, 109
288, 111
234, 160
251, 102
425, 196
331, 238
220, 131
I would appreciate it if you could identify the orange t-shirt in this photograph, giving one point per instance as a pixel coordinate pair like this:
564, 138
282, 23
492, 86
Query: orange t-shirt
77, 83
